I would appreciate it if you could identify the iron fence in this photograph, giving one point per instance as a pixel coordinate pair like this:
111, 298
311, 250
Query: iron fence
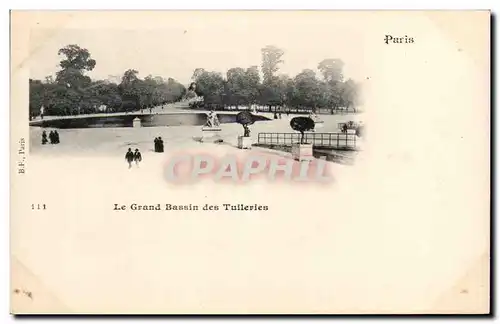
328, 140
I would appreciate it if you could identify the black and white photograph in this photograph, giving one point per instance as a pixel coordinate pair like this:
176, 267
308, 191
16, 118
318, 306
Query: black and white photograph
251, 162
87, 97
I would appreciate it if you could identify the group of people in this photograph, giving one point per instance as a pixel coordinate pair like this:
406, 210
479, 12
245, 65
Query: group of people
136, 155
133, 157
53, 137
159, 148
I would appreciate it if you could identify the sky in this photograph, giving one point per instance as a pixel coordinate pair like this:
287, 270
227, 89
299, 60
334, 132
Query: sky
174, 44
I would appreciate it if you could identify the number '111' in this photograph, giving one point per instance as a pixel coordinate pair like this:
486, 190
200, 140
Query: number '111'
38, 206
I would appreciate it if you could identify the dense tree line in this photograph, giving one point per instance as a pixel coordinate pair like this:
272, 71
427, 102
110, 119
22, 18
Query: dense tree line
72, 92
306, 90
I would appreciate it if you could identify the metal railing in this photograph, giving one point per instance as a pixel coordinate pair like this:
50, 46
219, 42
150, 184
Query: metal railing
327, 140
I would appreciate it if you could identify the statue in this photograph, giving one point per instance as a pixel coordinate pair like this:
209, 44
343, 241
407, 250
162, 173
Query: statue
212, 120
191, 94
211, 128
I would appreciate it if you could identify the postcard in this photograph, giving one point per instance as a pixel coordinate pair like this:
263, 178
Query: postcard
250, 162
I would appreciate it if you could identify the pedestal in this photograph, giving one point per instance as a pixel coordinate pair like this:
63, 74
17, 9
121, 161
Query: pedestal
210, 134
245, 142
136, 122
351, 131
302, 152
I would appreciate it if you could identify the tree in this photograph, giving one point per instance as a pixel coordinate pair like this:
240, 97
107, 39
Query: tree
305, 90
308, 90
211, 85
302, 124
252, 80
283, 85
129, 77
350, 94
74, 92
271, 58
130, 90
174, 90
77, 58
245, 118
333, 87
237, 90
334, 94
196, 74
290, 96
331, 69
37, 99
76, 61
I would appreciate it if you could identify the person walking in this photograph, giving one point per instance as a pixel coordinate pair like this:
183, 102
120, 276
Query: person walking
51, 137
44, 138
129, 157
137, 157
160, 145
56, 137
157, 145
